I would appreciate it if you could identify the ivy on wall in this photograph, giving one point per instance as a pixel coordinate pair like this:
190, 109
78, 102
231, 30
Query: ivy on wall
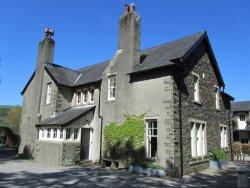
126, 141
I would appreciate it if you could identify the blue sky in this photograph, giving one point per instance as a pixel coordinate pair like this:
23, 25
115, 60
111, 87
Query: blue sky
86, 33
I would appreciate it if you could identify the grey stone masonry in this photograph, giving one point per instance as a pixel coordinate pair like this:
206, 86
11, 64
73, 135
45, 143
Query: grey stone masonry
199, 62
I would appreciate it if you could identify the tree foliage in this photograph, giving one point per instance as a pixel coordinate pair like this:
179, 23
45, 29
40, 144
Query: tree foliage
13, 118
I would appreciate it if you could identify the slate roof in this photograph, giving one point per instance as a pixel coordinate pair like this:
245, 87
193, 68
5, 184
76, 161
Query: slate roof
151, 58
240, 106
161, 56
66, 117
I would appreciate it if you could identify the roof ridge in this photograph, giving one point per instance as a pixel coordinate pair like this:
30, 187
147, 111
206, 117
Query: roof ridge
160, 45
94, 64
62, 67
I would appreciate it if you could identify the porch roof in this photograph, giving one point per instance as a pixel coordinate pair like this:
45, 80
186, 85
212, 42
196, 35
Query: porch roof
66, 117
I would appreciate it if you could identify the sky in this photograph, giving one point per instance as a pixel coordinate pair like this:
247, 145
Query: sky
86, 32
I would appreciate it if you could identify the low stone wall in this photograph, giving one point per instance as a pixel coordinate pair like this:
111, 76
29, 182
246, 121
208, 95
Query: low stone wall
197, 166
70, 153
49, 153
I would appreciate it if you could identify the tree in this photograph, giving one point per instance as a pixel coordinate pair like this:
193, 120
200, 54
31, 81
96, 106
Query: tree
12, 119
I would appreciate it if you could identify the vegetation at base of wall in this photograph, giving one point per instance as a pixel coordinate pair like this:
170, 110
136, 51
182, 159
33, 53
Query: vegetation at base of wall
152, 165
125, 142
218, 154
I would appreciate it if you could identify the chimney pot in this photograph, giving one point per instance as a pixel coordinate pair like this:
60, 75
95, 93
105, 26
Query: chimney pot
49, 32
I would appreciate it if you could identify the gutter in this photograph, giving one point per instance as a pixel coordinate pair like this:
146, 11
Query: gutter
99, 115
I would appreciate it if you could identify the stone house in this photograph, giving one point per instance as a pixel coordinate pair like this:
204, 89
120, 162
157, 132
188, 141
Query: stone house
178, 85
241, 112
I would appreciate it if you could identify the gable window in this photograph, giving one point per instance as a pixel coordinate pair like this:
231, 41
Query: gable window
242, 117
217, 98
75, 133
196, 87
91, 95
111, 87
78, 97
151, 138
198, 139
54, 133
223, 136
48, 93
85, 96
68, 133
48, 132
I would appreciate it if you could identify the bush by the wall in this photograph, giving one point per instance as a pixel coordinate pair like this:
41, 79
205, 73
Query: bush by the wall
218, 154
125, 142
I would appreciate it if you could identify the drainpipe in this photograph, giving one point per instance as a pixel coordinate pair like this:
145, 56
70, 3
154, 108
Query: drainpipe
99, 115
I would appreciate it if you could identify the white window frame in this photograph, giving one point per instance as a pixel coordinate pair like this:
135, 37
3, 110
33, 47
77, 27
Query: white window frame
217, 98
91, 95
43, 132
85, 96
198, 138
78, 97
48, 93
196, 87
48, 132
224, 136
75, 133
149, 134
68, 134
111, 87
54, 133
242, 117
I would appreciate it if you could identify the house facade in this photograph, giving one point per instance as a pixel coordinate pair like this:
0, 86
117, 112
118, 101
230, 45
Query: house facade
241, 112
177, 85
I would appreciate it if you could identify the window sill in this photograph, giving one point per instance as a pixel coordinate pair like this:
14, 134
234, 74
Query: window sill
197, 102
110, 100
46, 104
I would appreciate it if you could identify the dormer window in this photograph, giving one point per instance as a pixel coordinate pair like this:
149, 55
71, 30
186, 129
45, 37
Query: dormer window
217, 98
91, 95
196, 87
48, 93
85, 96
111, 87
78, 97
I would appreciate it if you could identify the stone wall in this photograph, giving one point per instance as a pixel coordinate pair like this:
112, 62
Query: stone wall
48, 152
185, 108
70, 153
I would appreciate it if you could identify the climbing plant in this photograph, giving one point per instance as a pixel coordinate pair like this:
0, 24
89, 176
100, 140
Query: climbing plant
125, 141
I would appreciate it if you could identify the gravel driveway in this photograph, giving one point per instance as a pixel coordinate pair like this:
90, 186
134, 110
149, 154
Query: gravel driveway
27, 173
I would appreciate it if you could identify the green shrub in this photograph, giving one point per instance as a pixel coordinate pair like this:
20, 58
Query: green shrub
219, 154
152, 165
125, 142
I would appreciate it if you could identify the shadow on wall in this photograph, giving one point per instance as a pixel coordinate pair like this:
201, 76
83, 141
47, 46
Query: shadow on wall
27, 153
